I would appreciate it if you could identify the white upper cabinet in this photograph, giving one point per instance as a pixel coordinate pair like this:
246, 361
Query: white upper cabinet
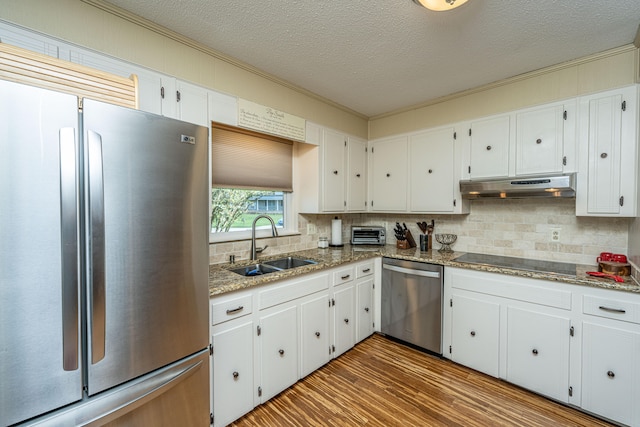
356, 174
223, 108
431, 166
331, 172
490, 147
389, 175
607, 182
539, 135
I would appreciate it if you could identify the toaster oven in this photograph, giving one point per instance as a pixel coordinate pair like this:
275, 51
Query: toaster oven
372, 235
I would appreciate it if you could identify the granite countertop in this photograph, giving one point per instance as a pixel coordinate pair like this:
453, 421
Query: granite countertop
221, 280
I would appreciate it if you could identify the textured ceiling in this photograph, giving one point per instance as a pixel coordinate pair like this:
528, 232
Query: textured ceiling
377, 56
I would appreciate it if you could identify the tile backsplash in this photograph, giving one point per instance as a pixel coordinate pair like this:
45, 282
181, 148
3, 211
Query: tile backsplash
519, 228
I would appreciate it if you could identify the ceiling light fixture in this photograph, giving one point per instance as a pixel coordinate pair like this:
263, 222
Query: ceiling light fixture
440, 5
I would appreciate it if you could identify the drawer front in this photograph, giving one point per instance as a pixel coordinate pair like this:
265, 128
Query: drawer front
611, 308
293, 289
231, 308
364, 269
344, 275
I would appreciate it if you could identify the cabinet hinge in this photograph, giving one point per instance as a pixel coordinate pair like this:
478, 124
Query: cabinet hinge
211, 418
333, 348
564, 161
329, 349
259, 391
366, 150
564, 115
455, 135
178, 95
372, 203
371, 150
449, 349
621, 200
345, 142
469, 131
454, 202
210, 349
571, 331
624, 105
258, 330
329, 302
333, 302
469, 169
451, 302
345, 203
570, 391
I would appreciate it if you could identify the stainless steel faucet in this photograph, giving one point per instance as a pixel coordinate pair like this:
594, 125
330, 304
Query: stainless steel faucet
274, 233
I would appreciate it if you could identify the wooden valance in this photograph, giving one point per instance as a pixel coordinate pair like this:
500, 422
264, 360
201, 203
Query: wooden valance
35, 69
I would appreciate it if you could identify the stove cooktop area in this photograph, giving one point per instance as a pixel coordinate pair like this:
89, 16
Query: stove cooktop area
562, 268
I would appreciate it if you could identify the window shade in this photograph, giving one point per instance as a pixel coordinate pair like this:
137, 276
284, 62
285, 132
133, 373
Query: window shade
244, 159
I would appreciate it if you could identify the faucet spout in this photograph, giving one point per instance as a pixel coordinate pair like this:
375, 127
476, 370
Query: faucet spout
274, 233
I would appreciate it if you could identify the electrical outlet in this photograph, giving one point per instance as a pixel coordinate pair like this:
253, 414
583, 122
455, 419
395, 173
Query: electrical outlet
554, 237
311, 228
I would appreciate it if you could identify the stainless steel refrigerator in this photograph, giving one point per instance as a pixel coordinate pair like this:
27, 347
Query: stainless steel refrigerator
103, 264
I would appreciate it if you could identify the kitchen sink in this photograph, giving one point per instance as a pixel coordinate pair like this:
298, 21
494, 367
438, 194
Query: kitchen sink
255, 270
289, 262
272, 266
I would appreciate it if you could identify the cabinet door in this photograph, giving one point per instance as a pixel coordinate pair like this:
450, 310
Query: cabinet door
232, 372
538, 352
192, 103
344, 321
539, 138
610, 373
490, 147
279, 351
431, 168
389, 175
475, 332
364, 312
333, 171
357, 175
315, 334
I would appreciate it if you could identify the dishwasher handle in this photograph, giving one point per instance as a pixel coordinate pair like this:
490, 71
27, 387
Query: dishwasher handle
423, 273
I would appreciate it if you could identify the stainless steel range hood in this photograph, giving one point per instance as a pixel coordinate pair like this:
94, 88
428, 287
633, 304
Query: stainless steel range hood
520, 188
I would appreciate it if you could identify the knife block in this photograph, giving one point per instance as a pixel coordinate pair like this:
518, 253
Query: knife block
408, 243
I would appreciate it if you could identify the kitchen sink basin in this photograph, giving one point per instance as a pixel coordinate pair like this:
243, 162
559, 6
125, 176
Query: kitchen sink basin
255, 270
272, 266
289, 262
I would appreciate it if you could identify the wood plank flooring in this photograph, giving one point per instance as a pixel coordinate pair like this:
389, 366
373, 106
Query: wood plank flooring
383, 383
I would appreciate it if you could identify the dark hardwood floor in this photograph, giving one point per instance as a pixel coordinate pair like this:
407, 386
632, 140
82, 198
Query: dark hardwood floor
383, 383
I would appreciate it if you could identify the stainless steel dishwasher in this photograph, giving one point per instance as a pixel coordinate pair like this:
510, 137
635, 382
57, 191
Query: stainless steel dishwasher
412, 302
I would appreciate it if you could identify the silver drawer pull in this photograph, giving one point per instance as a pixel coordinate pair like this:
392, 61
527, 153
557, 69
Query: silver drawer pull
235, 310
613, 310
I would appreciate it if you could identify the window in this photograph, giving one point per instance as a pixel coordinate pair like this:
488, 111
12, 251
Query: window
251, 175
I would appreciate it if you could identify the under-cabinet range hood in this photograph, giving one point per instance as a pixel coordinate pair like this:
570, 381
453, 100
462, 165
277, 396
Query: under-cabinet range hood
520, 188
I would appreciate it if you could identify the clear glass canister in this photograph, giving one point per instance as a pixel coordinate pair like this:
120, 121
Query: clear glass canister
323, 242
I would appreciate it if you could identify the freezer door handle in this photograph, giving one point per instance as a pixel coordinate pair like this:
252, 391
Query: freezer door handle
432, 274
96, 218
69, 237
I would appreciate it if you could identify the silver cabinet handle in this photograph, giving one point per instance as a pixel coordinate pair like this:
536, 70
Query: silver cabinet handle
422, 273
235, 310
613, 310
96, 218
69, 235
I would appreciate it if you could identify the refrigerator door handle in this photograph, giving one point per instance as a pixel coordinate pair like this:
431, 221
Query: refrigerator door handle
69, 237
96, 218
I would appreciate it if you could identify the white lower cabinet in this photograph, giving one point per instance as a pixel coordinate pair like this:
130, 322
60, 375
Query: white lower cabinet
232, 370
278, 351
475, 333
538, 352
314, 333
268, 337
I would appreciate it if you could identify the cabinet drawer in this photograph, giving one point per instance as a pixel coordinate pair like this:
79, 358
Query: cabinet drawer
343, 275
231, 308
612, 308
365, 269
